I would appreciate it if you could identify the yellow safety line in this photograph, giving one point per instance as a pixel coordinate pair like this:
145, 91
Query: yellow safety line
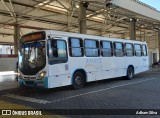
8, 105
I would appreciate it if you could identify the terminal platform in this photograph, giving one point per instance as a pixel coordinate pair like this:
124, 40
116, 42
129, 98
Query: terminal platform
142, 92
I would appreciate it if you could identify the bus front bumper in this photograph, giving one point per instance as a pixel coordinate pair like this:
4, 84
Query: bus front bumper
34, 83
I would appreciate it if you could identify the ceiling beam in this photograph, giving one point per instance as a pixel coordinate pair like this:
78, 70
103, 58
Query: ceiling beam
11, 12
8, 34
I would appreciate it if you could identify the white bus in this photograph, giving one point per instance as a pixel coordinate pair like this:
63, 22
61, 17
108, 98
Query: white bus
52, 59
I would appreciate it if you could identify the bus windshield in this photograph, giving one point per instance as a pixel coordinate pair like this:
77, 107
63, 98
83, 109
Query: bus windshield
32, 57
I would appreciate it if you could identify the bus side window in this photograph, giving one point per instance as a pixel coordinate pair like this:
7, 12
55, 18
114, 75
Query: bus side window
76, 47
59, 51
119, 49
144, 50
106, 49
91, 48
129, 49
138, 50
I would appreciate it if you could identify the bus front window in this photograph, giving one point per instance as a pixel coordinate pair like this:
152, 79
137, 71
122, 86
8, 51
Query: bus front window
32, 57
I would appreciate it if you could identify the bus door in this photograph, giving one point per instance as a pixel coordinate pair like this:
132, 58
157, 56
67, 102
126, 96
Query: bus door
138, 58
58, 62
145, 58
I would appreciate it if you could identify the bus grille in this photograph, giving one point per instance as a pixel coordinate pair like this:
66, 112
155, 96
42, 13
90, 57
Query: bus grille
29, 78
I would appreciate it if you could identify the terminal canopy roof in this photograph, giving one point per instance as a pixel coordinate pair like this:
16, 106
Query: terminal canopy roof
104, 17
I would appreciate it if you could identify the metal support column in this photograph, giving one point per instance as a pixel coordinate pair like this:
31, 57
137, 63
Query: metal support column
159, 42
16, 38
82, 18
133, 29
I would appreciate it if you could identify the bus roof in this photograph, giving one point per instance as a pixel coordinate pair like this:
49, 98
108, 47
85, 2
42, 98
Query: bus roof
78, 35
55, 33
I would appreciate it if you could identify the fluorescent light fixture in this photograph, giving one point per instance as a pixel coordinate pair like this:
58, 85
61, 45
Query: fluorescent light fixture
77, 5
47, 1
89, 15
56, 8
40, 4
98, 17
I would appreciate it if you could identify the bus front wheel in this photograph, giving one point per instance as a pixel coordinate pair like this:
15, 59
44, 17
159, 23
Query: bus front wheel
130, 73
78, 80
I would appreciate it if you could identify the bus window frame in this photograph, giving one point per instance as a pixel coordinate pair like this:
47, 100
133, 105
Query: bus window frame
145, 50
135, 49
132, 50
101, 48
70, 47
123, 50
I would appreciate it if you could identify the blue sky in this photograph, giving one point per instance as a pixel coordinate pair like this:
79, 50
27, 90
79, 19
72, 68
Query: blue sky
153, 3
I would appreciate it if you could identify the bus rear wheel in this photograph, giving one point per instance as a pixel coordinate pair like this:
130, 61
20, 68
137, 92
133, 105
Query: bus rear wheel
78, 80
130, 73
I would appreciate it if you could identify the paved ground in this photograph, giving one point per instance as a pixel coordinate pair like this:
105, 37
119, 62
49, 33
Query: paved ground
8, 82
114, 96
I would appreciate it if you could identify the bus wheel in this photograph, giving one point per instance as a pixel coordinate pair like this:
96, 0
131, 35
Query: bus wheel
78, 80
130, 73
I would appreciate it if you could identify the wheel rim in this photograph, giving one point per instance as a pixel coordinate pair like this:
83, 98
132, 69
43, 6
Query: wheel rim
78, 80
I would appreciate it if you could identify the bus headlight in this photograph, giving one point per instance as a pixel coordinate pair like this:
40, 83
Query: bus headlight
41, 75
19, 75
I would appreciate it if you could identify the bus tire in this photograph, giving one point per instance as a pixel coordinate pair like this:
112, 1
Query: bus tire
78, 80
130, 73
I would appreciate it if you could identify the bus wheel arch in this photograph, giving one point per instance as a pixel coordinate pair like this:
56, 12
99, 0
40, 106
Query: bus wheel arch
130, 72
79, 78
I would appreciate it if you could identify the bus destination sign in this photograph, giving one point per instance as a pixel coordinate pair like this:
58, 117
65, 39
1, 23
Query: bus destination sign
33, 37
